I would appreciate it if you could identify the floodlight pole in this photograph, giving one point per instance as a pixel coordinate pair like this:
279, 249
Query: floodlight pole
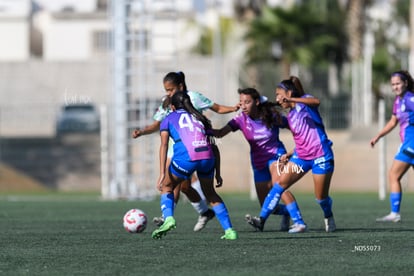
121, 83
382, 147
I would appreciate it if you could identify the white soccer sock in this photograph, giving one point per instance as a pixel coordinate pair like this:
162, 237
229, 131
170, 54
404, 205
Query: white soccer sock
201, 206
197, 186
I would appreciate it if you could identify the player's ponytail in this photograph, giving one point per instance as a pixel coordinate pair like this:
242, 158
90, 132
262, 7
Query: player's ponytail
181, 100
294, 85
176, 78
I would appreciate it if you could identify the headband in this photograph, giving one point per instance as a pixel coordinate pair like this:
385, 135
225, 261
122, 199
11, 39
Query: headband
281, 85
402, 76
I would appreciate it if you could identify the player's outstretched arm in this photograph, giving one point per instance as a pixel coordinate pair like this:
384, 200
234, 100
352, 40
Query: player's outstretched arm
221, 132
392, 123
155, 126
223, 109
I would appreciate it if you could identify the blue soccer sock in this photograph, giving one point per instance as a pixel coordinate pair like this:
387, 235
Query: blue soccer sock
294, 213
271, 201
395, 201
326, 205
222, 215
167, 205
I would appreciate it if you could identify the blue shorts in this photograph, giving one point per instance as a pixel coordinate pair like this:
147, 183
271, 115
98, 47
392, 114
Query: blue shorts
321, 165
405, 154
262, 175
184, 168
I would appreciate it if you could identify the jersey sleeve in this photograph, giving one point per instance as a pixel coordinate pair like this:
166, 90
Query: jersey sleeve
164, 124
200, 101
235, 123
161, 113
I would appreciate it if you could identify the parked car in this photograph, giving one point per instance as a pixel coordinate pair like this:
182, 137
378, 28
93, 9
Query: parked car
78, 118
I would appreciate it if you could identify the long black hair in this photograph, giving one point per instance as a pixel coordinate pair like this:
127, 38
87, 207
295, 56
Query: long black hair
268, 111
293, 84
176, 78
181, 100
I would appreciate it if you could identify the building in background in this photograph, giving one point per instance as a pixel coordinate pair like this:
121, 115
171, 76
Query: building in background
15, 30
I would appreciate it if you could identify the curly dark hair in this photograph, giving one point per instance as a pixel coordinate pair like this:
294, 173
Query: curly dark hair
405, 76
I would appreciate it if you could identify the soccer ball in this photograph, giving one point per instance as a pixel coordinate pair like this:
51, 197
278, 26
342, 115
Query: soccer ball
135, 221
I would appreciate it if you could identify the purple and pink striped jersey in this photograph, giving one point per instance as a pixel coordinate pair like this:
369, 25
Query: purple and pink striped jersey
190, 140
306, 125
399, 110
264, 142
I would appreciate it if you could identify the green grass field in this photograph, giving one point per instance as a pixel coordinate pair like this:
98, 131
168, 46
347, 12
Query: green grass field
82, 235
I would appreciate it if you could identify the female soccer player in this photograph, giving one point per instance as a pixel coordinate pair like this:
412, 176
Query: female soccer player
260, 123
402, 86
312, 151
192, 153
175, 81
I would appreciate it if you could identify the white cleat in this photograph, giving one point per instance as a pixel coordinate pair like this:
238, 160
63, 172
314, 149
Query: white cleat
203, 219
391, 217
298, 228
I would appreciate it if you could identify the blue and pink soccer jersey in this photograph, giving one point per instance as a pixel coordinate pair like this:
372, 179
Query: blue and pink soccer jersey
399, 110
188, 134
199, 101
264, 142
406, 151
308, 131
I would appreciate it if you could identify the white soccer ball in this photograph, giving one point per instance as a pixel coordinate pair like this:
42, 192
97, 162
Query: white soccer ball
135, 221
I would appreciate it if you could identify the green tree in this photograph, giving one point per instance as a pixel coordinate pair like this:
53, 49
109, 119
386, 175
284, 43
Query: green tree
308, 33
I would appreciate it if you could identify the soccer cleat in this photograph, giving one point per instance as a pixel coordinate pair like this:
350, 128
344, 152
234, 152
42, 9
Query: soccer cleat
230, 234
330, 225
158, 221
257, 223
168, 224
203, 219
297, 228
284, 223
391, 217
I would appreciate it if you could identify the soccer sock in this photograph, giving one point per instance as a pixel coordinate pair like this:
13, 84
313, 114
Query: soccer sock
326, 205
281, 210
197, 186
271, 201
175, 205
222, 215
167, 205
395, 201
294, 212
201, 206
